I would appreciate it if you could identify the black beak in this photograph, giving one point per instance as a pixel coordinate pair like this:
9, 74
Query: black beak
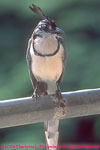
57, 30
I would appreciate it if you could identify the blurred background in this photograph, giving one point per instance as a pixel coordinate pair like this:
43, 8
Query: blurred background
80, 19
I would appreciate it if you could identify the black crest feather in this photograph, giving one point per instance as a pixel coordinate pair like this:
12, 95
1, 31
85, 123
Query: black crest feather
40, 13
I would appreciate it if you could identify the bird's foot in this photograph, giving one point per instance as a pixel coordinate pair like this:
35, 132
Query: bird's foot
58, 94
35, 94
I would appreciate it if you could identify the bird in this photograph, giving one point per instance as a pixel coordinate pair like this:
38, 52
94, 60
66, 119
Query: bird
46, 59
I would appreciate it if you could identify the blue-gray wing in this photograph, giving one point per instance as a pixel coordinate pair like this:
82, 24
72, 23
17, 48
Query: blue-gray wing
29, 62
63, 59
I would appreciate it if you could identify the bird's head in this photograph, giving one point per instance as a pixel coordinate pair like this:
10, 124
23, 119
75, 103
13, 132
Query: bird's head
46, 26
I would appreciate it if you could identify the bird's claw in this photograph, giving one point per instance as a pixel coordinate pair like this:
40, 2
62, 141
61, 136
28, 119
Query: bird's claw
35, 95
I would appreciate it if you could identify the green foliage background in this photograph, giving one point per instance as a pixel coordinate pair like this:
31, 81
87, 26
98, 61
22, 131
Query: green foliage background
80, 19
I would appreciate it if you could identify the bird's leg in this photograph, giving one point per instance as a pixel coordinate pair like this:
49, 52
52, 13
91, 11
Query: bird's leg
41, 89
58, 93
35, 93
62, 103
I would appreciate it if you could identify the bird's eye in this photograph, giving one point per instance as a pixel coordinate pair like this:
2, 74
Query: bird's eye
46, 28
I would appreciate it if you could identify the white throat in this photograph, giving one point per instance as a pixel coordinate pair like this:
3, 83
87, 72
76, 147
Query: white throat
47, 44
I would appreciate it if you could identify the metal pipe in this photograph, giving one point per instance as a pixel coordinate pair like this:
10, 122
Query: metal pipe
29, 110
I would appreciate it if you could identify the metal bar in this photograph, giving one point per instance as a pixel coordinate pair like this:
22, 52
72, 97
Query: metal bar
29, 110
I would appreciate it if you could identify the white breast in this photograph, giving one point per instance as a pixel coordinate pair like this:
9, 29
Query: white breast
47, 68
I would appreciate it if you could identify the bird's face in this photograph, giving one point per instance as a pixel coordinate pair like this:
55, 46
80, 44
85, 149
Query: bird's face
45, 28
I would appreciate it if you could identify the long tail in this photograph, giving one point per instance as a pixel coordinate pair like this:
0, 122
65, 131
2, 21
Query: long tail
51, 132
50, 126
